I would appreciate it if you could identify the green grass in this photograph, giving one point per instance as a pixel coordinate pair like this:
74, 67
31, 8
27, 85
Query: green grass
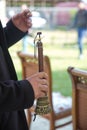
62, 55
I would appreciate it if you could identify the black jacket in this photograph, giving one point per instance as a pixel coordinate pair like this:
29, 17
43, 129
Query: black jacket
15, 95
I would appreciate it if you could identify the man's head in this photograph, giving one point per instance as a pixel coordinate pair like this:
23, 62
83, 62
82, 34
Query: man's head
81, 5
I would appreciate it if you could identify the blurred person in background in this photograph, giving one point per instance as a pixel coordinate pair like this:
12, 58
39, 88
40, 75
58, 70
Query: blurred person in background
80, 22
17, 95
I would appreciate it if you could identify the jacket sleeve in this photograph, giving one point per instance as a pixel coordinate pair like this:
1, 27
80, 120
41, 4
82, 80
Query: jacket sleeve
15, 95
12, 33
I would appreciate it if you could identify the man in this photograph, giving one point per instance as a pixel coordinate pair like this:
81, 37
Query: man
80, 22
16, 95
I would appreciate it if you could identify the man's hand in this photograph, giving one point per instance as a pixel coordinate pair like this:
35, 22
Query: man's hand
22, 20
39, 82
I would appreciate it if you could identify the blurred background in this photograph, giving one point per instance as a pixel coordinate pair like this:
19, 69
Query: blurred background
54, 12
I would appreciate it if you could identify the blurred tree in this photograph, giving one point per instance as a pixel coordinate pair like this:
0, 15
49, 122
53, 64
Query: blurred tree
45, 3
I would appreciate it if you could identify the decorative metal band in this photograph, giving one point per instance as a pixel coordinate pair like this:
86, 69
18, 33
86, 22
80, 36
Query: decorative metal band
82, 80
